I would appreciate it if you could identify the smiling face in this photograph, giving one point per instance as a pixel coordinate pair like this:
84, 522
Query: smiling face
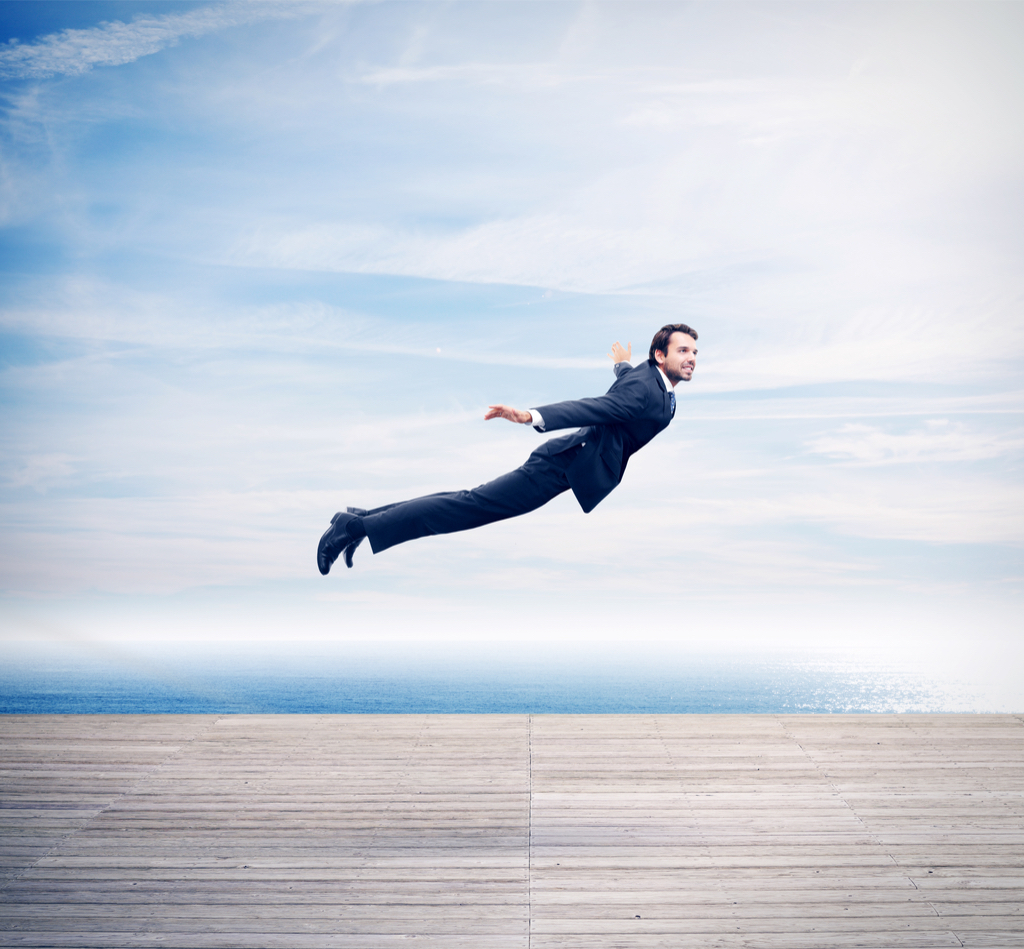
680, 359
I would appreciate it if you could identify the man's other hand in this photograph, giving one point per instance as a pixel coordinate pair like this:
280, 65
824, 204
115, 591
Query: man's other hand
618, 354
513, 415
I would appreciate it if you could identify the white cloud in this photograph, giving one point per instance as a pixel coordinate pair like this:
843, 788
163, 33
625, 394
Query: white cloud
938, 440
73, 52
817, 223
40, 471
936, 510
828, 324
545, 250
518, 75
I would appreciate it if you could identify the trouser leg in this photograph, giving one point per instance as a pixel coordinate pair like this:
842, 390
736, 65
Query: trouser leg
525, 489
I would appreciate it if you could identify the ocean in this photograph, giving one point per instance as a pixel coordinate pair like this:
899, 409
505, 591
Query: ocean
334, 685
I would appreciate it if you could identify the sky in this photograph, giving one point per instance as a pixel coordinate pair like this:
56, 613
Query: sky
261, 261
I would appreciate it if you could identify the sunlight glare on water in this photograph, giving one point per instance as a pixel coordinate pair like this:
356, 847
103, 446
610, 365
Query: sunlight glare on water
36, 683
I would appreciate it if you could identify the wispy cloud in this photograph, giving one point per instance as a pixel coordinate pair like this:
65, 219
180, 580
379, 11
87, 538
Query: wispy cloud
39, 471
832, 333
258, 280
546, 250
937, 509
939, 440
73, 52
518, 75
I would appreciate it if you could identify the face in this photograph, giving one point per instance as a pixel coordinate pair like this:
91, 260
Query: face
680, 360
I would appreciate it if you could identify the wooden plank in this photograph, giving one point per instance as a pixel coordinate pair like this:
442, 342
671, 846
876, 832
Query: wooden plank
296, 831
198, 939
741, 940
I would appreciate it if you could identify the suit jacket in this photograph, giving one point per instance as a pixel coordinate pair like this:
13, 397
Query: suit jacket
615, 425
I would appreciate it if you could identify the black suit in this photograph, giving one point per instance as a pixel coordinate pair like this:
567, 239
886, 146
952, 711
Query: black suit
590, 461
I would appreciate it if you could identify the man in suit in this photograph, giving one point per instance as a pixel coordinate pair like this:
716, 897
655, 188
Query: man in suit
590, 461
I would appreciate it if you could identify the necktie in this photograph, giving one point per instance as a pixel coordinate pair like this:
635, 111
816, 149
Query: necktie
672, 402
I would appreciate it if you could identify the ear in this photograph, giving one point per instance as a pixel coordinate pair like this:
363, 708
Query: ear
659, 356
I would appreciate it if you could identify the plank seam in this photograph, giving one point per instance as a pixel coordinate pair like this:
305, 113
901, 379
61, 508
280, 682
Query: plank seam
687, 795
853, 810
957, 767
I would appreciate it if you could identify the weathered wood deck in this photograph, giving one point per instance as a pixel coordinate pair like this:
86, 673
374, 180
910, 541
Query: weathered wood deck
512, 831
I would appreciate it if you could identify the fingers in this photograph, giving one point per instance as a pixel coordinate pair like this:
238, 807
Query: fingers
504, 411
618, 354
501, 411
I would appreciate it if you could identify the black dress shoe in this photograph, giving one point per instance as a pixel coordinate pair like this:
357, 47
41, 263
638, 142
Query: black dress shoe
335, 539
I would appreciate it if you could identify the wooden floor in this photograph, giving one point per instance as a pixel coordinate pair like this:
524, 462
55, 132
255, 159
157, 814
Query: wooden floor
512, 831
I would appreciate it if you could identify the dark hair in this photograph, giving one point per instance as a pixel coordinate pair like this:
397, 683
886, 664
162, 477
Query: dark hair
663, 335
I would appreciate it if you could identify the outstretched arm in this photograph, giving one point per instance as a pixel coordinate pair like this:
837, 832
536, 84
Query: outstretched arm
617, 355
513, 415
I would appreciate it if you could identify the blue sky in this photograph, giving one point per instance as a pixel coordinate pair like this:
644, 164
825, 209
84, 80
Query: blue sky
261, 261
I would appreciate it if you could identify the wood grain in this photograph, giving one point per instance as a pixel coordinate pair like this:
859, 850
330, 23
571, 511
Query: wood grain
587, 831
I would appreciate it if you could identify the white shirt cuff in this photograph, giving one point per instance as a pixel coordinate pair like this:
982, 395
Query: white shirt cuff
536, 419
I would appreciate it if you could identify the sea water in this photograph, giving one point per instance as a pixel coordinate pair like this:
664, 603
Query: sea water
688, 684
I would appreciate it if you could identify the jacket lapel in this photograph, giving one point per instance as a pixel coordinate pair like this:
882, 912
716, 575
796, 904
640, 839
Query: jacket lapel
666, 399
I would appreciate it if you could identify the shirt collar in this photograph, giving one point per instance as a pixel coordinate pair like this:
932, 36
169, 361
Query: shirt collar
664, 378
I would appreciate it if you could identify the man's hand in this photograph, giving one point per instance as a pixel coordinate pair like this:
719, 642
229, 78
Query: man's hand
618, 354
513, 415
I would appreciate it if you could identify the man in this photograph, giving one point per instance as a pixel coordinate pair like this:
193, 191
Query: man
591, 461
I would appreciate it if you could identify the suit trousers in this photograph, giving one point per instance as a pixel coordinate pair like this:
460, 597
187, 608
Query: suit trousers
529, 487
